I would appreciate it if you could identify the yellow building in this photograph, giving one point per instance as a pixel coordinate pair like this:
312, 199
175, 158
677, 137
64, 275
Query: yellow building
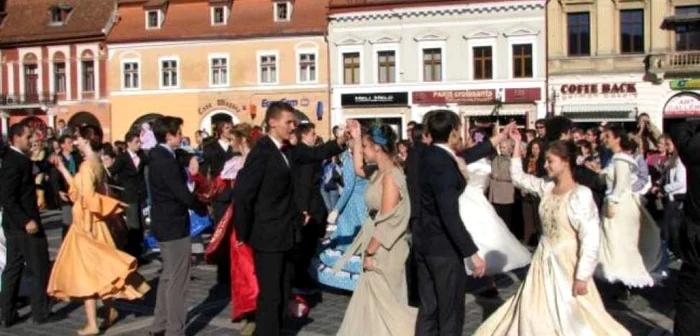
206, 61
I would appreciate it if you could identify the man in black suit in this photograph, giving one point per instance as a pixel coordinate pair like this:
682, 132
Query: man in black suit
170, 201
441, 242
26, 238
266, 215
307, 194
129, 169
216, 153
71, 160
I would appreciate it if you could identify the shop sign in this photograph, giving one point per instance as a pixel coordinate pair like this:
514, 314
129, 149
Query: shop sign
606, 90
684, 84
293, 102
218, 103
462, 97
683, 105
375, 99
527, 95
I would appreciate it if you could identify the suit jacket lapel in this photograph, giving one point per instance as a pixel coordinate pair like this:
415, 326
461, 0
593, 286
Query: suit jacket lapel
453, 160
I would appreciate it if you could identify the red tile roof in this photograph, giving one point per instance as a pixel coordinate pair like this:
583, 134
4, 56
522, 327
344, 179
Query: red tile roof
191, 19
28, 21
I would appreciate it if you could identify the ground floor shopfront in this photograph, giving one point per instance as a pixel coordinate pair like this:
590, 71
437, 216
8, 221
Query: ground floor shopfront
40, 118
488, 103
202, 110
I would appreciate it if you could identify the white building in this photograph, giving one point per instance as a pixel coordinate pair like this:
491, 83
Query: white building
395, 63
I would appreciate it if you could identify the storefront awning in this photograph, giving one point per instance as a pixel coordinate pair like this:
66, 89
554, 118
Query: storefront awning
600, 112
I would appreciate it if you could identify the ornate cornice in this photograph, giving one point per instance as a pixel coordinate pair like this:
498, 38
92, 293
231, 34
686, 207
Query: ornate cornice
422, 12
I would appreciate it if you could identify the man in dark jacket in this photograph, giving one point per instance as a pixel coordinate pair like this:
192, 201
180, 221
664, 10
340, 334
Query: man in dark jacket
71, 160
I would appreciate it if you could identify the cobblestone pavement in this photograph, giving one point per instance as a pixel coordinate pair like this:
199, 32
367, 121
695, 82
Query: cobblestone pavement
648, 312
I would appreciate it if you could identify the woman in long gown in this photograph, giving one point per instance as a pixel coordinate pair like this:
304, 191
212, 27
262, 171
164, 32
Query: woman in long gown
558, 297
379, 305
88, 266
349, 214
631, 243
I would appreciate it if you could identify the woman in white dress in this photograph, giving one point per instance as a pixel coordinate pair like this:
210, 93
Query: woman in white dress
497, 245
558, 297
631, 243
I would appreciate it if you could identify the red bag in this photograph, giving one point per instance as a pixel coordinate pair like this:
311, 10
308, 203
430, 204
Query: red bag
215, 249
244, 283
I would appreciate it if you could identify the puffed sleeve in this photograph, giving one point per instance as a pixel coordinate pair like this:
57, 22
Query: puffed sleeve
583, 215
621, 181
85, 194
526, 182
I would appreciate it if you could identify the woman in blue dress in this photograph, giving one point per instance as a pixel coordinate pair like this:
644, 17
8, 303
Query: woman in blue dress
349, 214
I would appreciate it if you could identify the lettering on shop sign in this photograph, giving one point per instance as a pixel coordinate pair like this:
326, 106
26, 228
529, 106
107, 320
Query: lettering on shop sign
266, 102
683, 106
685, 84
462, 97
218, 103
608, 90
375, 99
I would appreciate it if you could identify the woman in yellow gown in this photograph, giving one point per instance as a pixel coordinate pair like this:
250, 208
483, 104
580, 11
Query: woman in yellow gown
88, 266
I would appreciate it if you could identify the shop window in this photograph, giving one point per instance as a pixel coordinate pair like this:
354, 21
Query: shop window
387, 66
483, 62
632, 31
688, 34
522, 60
351, 68
579, 34
432, 65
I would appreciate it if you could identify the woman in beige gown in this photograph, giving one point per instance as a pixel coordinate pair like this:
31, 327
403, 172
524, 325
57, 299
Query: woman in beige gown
558, 297
88, 266
379, 305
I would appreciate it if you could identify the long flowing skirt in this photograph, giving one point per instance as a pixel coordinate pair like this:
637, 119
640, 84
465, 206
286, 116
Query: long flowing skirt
500, 249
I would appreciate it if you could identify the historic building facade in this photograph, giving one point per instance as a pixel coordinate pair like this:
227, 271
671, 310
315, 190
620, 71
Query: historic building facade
53, 63
393, 61
209, 60
611, 60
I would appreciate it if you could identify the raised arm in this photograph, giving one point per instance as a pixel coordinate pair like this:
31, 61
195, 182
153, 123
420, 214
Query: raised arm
348, 181
520, 179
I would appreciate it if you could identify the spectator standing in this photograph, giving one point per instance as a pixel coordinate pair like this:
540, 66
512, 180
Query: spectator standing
501, 190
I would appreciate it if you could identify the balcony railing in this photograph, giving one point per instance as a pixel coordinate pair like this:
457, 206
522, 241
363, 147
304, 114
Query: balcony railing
27, 99
682, 61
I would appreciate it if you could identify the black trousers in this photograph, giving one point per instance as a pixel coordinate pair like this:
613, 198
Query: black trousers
273, 270
34, 251
304, 253
505, 211
670, 230
134, 238
442, 284
223, 266
687, 320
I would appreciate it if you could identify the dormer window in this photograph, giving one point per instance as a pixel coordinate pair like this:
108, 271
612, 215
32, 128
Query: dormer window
59, 15
283, 10
56, 15
154, 19
219, 15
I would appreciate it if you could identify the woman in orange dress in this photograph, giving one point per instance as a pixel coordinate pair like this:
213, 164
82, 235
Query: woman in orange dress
88, 266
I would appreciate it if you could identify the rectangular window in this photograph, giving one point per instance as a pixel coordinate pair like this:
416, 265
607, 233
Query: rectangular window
351, 68
219, 16
522, 60
282, 11
632, 31
483, 62
579, 32
59, 77
56, 15
387, 66
268, 69
307, 67
88, 76
219, 71
153, 19
169, 73
432, 65
688, 34
131, 75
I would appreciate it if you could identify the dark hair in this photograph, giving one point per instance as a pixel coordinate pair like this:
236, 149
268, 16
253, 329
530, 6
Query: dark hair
92, 134
129, 137
441, 123
585, 144
275, 110
166, 125
531, 132
220, 126
405, 143
557, 126
538, 142
594, 130
418, 131
412, 123
631, 145
63, 139
17, 130
108, 151
384, 137
335, 130
618, 132
565, 150
303, 129
541, 122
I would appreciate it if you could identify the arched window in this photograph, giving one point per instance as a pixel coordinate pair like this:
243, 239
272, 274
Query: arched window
31, 78
87, 62
59, 72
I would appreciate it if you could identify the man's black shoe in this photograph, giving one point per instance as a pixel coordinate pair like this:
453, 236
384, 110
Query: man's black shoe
48, 319
6, 322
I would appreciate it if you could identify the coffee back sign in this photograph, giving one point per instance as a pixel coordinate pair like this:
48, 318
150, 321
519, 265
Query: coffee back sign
375, 99
461, 97
606, 90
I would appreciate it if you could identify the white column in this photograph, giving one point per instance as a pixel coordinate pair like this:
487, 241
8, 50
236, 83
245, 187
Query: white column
96, 52
4, 118
51, 116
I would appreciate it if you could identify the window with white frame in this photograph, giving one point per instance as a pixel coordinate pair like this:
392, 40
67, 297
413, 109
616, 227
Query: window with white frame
153, 19
432, 64
307, 67
386, 65
351, 68
168, 73
522, 60
59, 76
219, 70
88, 75
268, 69
283, 10
131, 74
219, 15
